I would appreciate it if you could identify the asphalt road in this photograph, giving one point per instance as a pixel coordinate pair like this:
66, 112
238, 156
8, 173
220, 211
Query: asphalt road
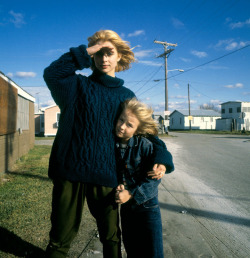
211, 184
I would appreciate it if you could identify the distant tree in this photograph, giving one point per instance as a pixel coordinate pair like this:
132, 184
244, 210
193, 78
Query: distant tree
210, 106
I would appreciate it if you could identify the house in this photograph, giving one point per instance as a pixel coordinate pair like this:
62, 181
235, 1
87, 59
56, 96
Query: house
159, 118
39, 123
47, 120
17, 129
200, 119
235, 115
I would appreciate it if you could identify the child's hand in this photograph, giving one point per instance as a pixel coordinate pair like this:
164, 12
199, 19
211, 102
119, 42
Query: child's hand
158, 171
122, 195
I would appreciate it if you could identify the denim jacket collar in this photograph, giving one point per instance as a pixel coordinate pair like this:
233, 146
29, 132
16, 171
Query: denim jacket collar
133, 141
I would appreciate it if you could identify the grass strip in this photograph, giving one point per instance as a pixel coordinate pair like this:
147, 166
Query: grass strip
25, 197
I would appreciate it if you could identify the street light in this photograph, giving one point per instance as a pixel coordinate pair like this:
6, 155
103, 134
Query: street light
180, 70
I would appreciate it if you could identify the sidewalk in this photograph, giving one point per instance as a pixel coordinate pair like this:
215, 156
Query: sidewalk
183, 236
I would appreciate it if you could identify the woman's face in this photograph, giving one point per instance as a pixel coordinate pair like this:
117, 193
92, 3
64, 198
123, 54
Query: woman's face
107, 58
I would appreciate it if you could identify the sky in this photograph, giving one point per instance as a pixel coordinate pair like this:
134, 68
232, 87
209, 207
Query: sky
212, 37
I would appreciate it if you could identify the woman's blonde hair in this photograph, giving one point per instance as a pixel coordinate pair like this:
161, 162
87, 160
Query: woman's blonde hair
123, 48
144, 114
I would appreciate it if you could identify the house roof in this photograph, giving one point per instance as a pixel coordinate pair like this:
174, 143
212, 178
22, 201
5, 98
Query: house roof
198, 112
43, 109
235, 102
20, 91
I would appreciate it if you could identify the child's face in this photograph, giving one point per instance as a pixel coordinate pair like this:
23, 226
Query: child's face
126, 125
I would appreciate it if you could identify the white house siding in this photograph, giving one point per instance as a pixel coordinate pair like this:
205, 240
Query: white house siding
201, 119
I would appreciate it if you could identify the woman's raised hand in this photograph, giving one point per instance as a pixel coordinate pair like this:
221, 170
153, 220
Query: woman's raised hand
94, 49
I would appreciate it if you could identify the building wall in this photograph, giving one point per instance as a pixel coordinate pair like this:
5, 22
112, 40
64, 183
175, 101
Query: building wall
16, 112
233, 113
224, 124
181, 122
50, 121
14, 145
204, 123
39, 124
176, 121
239, 113
245, 121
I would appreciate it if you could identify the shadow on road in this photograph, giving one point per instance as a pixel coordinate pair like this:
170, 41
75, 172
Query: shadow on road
208, 214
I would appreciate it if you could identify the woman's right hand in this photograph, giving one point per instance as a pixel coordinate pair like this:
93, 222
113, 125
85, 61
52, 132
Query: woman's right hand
94, 49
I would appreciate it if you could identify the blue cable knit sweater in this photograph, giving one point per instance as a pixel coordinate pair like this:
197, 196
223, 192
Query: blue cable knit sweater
84, 147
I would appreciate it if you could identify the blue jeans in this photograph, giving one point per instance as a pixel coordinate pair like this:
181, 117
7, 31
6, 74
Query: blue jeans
142, 229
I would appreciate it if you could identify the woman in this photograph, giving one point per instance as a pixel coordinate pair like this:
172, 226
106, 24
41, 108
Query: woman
82, 162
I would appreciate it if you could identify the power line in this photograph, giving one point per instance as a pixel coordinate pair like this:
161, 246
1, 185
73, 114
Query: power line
149, 79
218, 58
148, 89
185, 71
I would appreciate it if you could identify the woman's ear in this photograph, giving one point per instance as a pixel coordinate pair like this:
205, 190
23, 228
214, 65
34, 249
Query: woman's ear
119, 57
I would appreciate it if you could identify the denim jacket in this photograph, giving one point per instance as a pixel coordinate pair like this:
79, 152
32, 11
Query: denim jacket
135, 164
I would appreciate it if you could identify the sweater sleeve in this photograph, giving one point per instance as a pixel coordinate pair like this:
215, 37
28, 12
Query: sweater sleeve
161, 155
60, 76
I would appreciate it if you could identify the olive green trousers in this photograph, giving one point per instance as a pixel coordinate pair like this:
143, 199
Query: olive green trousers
67, 205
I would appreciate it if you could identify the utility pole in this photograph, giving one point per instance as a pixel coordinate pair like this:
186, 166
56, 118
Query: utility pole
38, 101
189, 111
165, 54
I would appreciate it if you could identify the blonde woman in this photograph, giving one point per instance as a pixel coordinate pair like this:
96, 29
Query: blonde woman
137, 192
82, 162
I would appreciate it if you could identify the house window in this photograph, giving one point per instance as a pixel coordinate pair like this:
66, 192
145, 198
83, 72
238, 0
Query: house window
202, 119
230, 110
244, 109
223, 111
211, 119
58, 117
238, 109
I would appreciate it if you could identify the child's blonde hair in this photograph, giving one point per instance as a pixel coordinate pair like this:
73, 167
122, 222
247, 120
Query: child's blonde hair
123, 48
144, 114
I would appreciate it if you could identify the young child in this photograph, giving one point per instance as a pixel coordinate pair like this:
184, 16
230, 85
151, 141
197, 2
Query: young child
137, 192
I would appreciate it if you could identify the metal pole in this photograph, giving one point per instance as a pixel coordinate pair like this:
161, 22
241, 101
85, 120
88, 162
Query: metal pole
166, 52
189, 112
166, 84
